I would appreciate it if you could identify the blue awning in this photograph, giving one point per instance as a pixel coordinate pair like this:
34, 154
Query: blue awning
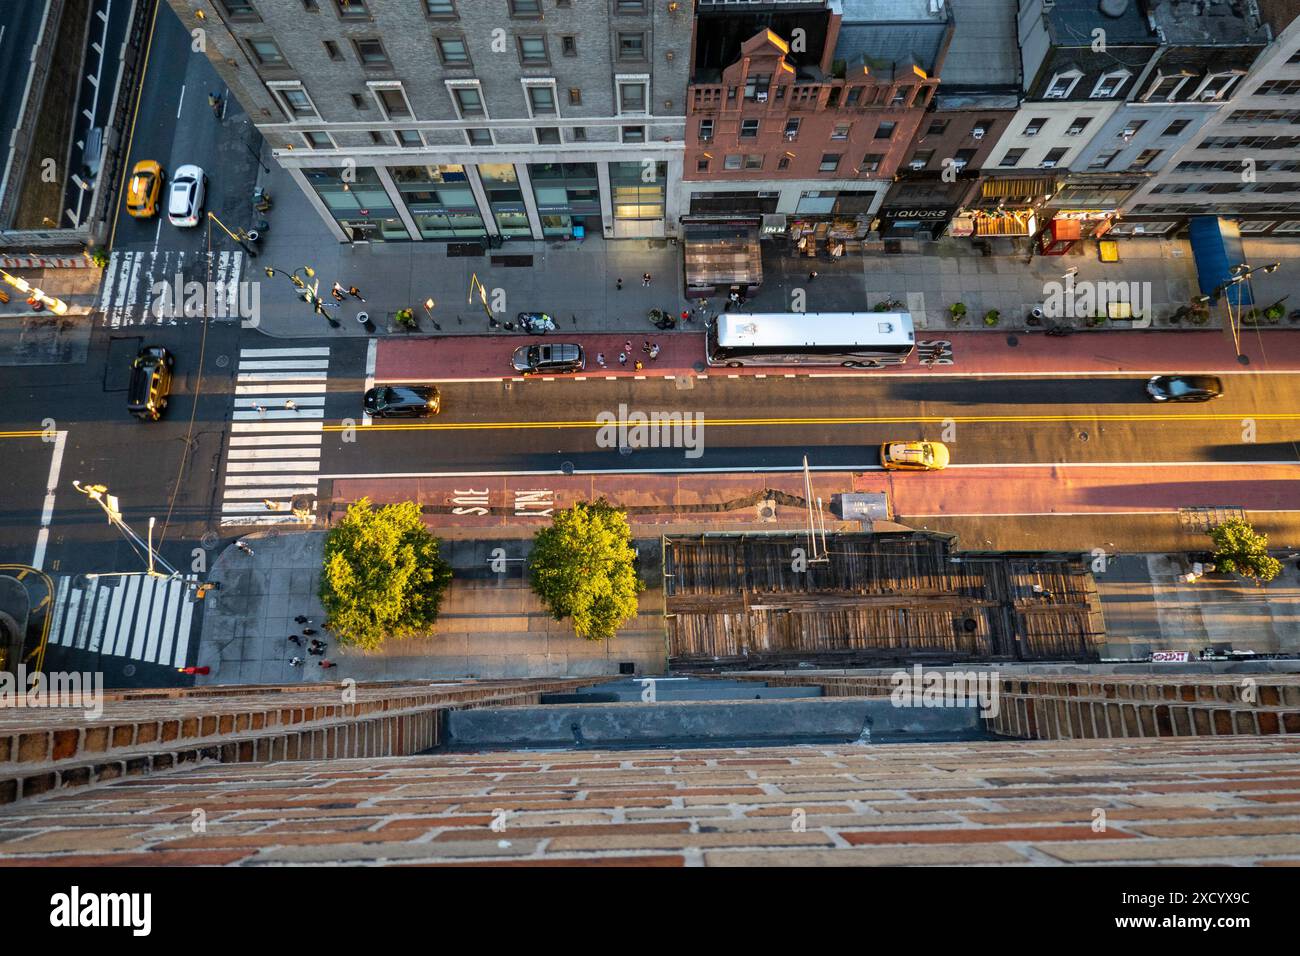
1216, 247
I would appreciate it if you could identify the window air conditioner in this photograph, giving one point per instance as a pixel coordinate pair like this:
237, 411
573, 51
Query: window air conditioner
791, 137
1074, 131
1048, 163
1128, 133
977, 133
1054, 95
761, 97
917, 164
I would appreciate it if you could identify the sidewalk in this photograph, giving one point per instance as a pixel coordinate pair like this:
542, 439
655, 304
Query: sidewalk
487, 358
575, 282
43, 338
491, 626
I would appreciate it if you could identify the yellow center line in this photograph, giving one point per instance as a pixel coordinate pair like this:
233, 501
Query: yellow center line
28, 434
863, 420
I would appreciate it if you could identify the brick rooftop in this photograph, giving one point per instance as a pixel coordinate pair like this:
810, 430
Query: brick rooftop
1219, 800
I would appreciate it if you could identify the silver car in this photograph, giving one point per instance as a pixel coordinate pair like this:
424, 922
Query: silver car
185, 197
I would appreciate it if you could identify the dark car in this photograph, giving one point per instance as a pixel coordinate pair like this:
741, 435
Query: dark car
151, 383
403, 401
1184, 388
544, 359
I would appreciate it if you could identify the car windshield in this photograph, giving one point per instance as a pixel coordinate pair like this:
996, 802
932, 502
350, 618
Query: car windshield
1181, 386
534, 355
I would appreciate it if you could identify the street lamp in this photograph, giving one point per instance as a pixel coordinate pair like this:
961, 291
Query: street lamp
293, 276
1238, 275
109, 503
428, 307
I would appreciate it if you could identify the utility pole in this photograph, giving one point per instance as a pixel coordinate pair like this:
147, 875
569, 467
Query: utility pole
109, 503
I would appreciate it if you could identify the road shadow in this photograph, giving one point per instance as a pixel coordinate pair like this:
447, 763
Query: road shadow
1050, 391
1259, 495
1253, 451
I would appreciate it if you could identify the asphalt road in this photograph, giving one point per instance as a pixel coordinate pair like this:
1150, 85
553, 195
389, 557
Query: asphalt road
20, 21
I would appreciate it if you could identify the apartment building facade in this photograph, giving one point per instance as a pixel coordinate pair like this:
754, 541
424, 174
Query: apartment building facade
803, 112
1243, 163
439, 120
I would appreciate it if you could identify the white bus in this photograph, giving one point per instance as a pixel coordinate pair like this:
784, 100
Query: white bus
851, 339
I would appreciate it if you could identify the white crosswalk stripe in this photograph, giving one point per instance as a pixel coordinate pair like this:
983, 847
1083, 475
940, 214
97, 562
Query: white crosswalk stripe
273, 455
138, 617
132, 290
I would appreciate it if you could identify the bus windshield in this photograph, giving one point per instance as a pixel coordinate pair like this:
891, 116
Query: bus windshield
852, 339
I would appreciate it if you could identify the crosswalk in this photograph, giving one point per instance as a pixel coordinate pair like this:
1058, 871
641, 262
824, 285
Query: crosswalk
131, 291
273, 456
136, 617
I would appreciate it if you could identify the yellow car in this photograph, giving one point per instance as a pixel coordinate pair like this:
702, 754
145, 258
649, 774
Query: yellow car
914, 456
143, 190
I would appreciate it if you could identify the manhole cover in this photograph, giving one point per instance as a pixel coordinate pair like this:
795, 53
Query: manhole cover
1243, 359
699, 366
1083, 436
625, 450
1012, 341
209, 540
128, 670
567, 468
223, 361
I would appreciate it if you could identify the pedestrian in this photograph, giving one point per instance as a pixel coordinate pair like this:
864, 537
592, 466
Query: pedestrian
811, 276
355, 292
260, 409
338, 292
627, 346
316, 642
242, 546
316, 651
290, 405
622, 358
295, 662
645, 279
295, 639
645, 346
654, 351
620, 285
302, 619
327, 664
309, 631
327, 625
214, 100
600, 359
639, 366
686, 315
271, 504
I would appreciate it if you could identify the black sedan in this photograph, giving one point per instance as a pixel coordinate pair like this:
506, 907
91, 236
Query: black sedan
403, 401
1184, 388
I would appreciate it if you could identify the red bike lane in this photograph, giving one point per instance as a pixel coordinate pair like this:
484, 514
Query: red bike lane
487, 357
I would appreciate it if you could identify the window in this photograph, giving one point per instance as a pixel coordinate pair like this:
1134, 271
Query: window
937, 128
830, 162
1145, 158
1103, 159
332, 50
392, 99
379, 138
575, 96
1054, 157
749, 129
578, 134
266, 52
1062, 85
1131, 129
841, 131
409, 138
871, 162
352, 9
372, 55
1012, 157
754, 161
631, 46
731, 162
239, 9
1277, 88
634, 134
569, 45
632, 94
440, 8
854, 94
1216, 85
1166, 86
964, 158
525, 8
1258, 225
1109, 84
1078, 125
479, 137
532, 51
318, 140
702, 165
1291, 225
706, 130
757, 86
548, 136
453, 51
731, 94
360, 102
792, 129
900, 96
1176, 127
1035, 126
626, 7
294, 100
885, 130
541, 99
783, 162
921, 158
468, 97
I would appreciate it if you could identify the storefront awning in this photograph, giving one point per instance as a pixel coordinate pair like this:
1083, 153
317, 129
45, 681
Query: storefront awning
1018, 188
1016, 222
722, 255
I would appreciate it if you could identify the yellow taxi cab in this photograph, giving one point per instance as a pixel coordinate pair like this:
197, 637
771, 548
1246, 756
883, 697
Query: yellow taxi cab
143, 190
914, 456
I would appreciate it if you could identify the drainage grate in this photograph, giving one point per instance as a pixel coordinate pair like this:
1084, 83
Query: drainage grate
513, 261
464, 250
1204, 518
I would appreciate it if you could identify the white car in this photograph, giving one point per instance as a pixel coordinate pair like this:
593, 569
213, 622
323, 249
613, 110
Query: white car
185, 197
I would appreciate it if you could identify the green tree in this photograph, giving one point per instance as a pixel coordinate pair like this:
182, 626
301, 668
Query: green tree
1240, 549
383, 577
583, 567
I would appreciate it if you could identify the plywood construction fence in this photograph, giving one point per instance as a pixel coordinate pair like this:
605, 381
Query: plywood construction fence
754, 599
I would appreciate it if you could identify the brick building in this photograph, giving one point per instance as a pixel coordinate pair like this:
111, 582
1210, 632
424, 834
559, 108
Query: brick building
409, 120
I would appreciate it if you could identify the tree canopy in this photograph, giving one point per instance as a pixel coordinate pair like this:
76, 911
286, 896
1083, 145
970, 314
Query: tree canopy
583, 567
383, 576
1240, 549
